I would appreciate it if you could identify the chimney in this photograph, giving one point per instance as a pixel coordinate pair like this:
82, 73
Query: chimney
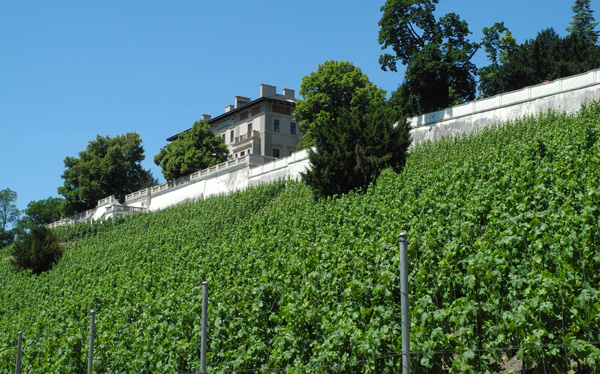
288, 93
267, 90
241, 100
205, 117
229, 108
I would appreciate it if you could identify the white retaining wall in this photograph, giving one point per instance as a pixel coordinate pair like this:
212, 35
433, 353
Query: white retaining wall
566, 94
193, 189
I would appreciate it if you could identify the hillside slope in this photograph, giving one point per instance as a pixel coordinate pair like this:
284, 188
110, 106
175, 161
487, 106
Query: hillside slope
504, 242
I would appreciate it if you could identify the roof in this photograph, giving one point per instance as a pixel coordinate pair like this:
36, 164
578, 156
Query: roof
277, 98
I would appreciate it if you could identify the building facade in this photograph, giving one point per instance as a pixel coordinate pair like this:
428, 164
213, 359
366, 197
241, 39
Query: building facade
264, 126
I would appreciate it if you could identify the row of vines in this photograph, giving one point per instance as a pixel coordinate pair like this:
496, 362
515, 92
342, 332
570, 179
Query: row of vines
504, 252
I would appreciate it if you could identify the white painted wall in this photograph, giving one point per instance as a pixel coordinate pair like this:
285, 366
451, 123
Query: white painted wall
566, 94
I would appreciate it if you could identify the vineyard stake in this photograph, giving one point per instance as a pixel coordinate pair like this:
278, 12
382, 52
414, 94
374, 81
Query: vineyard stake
91, 348
18, 363
203, 338
405, 321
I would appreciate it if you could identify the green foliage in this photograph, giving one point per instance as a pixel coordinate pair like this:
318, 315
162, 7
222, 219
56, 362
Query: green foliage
108, 166
583, 24
547, 57
503, 229
44, 211
193, 150
9, 213
335, 89
345, 117
436, 52
37, 250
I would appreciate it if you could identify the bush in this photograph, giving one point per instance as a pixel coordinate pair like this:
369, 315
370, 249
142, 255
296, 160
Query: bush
38, 250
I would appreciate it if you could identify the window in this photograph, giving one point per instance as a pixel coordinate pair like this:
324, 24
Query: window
242, 154
293, 128
249, 129
276, 125
275, 152
224, 140
231, 136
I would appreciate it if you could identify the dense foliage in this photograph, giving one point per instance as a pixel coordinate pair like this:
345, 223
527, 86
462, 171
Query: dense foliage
346, 119
334, 90
437, 54
504, 239
546, 57
193, 150
108, 166
37, 250
9, 214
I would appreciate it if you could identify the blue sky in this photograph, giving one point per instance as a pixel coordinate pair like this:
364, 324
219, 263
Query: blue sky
70, 70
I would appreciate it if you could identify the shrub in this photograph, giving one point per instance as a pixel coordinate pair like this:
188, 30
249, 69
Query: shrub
37, 250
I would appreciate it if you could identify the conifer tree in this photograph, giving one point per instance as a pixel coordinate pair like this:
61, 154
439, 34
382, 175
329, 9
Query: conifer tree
583, 24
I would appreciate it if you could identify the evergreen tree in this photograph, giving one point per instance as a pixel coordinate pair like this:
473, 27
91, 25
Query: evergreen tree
583, 24
351, 128
37, 250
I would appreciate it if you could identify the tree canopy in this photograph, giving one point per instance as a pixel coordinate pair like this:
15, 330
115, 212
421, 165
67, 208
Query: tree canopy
546, 57
37, 250
351, 127
335, 88
193, 150
583, 24
45, 211
436, 52
9, 214
108, 166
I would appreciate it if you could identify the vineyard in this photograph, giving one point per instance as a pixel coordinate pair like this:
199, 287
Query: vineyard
504, 257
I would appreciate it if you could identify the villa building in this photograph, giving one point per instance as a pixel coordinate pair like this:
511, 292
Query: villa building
261, 127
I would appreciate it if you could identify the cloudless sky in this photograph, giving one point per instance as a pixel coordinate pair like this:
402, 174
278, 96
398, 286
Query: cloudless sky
70, 70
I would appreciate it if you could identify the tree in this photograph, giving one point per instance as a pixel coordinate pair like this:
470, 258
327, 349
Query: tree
336, 87
45, 211
9, 213
38, 250
547, 57
351, 127
583, 24
499, 45
108, 166
193, 150
437, 54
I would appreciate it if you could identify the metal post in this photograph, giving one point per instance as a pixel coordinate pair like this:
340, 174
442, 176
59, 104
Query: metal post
91, 348
18, 363
404, 304
203, 339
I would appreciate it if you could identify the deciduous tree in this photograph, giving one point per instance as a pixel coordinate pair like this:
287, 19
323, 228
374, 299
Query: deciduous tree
9, 213
108, 166
351, 127
193, 150
436, 52
335, 88
44, 211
